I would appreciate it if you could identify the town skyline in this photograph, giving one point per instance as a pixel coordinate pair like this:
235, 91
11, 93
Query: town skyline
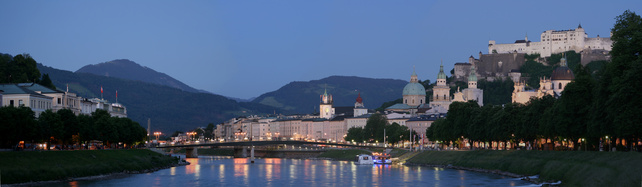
221, 45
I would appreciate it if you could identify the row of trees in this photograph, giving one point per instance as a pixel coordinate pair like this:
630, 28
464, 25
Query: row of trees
600, 107
374, 131
64, 127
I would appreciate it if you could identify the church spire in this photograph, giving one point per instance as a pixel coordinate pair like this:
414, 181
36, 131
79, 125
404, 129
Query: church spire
413, 77
441, 74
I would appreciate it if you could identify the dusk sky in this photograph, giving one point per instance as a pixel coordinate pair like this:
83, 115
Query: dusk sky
246, 48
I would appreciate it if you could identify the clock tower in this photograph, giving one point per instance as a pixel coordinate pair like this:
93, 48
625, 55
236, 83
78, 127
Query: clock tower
326, 109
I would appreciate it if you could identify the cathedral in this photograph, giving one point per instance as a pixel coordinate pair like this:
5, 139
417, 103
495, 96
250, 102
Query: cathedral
414, 95
560, 77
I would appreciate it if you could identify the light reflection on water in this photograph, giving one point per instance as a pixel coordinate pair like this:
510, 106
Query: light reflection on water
272, 172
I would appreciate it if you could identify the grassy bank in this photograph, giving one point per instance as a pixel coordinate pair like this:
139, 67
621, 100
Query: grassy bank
31, 166
573, 168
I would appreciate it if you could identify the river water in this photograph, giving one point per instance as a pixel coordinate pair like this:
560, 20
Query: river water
276, 172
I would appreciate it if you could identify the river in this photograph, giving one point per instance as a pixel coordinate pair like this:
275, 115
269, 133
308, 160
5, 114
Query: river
276, 172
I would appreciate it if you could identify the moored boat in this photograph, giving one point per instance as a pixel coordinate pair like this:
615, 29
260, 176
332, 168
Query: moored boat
364, 159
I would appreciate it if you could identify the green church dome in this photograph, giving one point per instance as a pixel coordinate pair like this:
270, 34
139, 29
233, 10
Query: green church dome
414, 88
441, 74
473, 76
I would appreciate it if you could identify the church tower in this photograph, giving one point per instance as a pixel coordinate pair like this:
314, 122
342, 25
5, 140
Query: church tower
326, 109
472, 78
359, 109
441, 93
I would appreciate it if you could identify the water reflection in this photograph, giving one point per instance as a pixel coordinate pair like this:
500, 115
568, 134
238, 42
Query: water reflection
212, 171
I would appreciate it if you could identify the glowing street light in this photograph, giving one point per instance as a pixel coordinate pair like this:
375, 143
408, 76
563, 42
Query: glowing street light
191, 134
157, 134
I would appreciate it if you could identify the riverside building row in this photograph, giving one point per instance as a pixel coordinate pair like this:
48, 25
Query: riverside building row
40, 98
332, 123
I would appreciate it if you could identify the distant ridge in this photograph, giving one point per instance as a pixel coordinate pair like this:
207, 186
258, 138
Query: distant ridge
170, 109
127, 69
303, 96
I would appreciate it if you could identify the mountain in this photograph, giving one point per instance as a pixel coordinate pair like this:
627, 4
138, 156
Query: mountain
303, 97
128, 69
170, 109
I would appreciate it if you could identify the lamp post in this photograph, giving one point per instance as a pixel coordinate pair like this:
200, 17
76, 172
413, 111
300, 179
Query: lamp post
157, 135
584, 142
609, 144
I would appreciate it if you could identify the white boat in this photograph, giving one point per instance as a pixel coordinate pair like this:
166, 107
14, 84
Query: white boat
364, 159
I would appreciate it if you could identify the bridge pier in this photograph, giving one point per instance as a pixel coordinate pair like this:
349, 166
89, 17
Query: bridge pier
252, 155
191, 152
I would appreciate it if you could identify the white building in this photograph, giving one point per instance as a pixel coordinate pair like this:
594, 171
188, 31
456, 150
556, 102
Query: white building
554, 41
114, 109
16, 96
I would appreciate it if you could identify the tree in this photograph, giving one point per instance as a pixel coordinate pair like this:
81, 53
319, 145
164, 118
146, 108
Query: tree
17, 124
46, 81
395, 132
25, 68
533, 113
70, 124
575, 105
619, 81
209, 131
373, 130
51, 127
87, 128
354, 134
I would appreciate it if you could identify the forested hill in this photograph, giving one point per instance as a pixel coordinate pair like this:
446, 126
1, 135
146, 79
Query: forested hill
303, 97
170, 109
128, 69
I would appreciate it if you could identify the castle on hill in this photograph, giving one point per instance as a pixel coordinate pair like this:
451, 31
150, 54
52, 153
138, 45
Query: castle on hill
554, 41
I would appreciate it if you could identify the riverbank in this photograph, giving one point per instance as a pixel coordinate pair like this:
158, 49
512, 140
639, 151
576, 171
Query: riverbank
573, 168
33, 166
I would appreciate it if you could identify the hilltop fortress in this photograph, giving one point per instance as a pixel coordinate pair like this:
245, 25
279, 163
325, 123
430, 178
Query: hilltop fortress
554, 41
505, 60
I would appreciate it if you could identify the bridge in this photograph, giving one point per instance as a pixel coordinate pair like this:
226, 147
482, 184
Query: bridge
191, 149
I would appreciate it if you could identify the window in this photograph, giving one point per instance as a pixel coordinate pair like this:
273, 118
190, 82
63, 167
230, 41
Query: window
20, 103
58, 100
552, 86
10, 102
560, 86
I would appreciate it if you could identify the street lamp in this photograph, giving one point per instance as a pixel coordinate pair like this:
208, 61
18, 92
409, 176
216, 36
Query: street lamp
584, 142
191, 134
157, 135
609, 144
